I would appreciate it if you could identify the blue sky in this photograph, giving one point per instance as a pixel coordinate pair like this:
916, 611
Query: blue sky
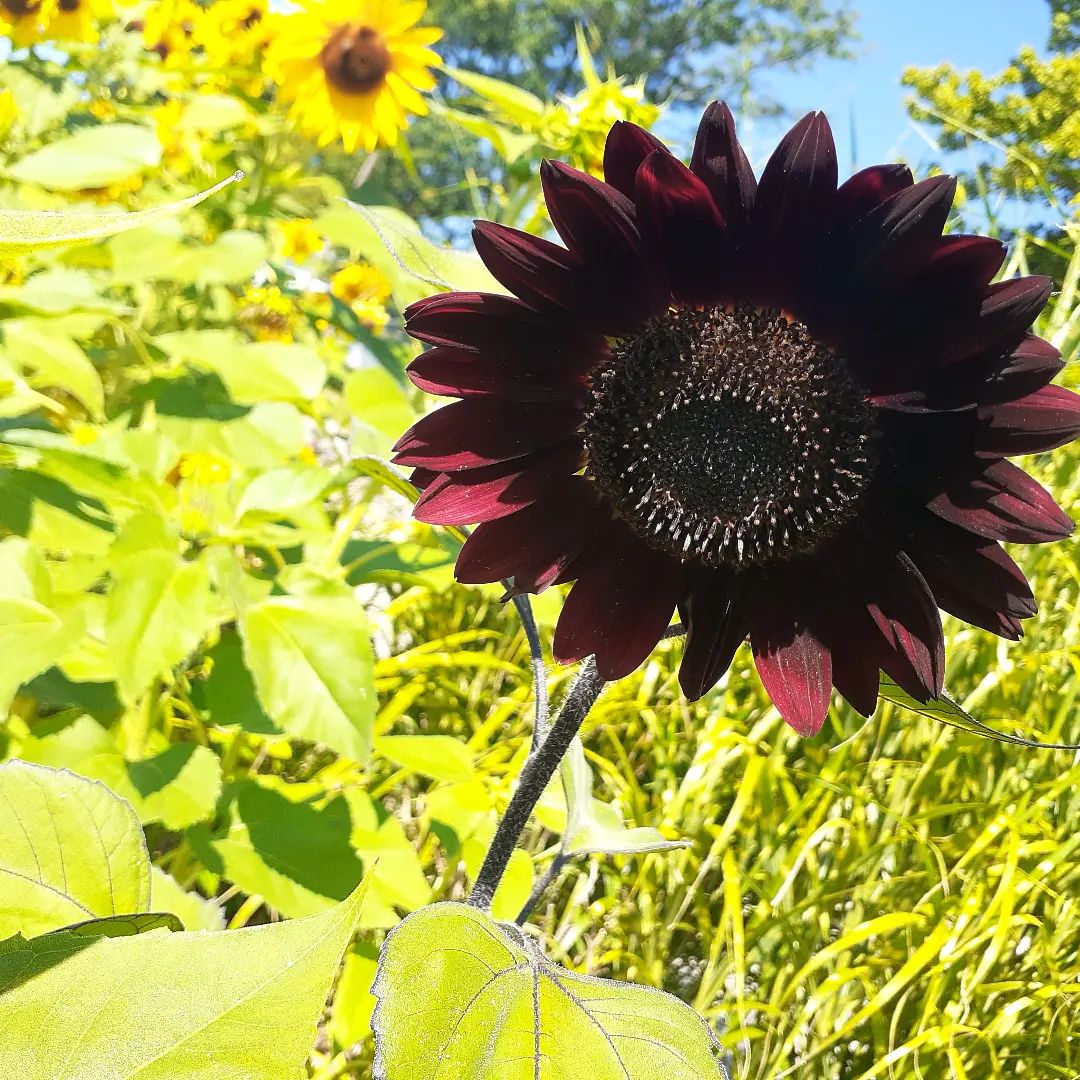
866, 93
897, 34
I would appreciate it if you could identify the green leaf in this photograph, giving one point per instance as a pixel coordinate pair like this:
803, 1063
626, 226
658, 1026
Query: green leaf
178, 786
163, 255
32, 639
158, 613
278, 491
296, 856
511, 101
379, 404
93, 157
386, 475
55, 360
947, 711
439, 756
253, 372
392, 241
390, 861
462, 995
195, 912
160, 1005
594, 827
229, 690
312, 663
123, 925
350, 1020
509, 144
69, 850
31, 230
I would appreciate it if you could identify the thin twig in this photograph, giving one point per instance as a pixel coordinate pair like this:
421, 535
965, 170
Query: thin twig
542, 886
536, 652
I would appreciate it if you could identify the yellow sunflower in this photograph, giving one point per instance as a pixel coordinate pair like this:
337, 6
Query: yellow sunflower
24, 20
353, 69
77, 20
233, 31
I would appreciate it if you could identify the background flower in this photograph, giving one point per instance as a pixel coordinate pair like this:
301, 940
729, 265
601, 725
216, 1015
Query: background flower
355, 71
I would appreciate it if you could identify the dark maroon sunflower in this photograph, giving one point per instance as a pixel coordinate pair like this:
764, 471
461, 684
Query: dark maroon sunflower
782, 407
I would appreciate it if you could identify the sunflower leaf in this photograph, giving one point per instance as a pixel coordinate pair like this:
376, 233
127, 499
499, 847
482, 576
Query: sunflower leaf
947, 711
478, 998
157, 1005
73, 851
22, 231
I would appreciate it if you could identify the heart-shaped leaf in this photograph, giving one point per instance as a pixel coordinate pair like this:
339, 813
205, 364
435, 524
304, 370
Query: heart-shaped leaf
462, 995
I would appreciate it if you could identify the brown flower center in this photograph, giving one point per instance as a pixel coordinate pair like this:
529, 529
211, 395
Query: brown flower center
21, 8
355, 59
68, 6
730, 437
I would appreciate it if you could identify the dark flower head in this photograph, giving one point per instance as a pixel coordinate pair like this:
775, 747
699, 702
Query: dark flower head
779, 406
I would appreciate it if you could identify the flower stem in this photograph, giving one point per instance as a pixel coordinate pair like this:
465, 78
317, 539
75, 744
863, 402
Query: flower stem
538, 771
542, 886
536, 653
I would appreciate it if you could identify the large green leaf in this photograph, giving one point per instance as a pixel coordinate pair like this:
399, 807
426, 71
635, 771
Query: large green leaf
92, 157
439, 756
312, 663
163, 255
161, 1006
70, 850
462, 995
253, 372
509, 100
390, 862
32, 636
31, 230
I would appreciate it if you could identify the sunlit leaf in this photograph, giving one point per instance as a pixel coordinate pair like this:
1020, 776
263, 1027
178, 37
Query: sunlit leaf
54, 359
467, 996
177, 786
350, 1019
312, 663
161, 1005
70, 850
511, 101
393, 242
195, 912
159, 610
298, 857
438, 756
947, 711
122, 925
594, 827
31, 230
92, 157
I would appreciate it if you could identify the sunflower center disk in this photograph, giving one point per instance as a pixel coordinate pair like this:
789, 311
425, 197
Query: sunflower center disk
730, 437
355, 59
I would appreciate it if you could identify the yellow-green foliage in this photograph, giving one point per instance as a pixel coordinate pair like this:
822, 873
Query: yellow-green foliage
1028, 110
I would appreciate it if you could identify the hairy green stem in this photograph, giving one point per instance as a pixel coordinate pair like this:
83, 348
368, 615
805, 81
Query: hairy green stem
538, 771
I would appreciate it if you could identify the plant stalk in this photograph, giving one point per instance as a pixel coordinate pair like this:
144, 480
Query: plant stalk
538, 771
